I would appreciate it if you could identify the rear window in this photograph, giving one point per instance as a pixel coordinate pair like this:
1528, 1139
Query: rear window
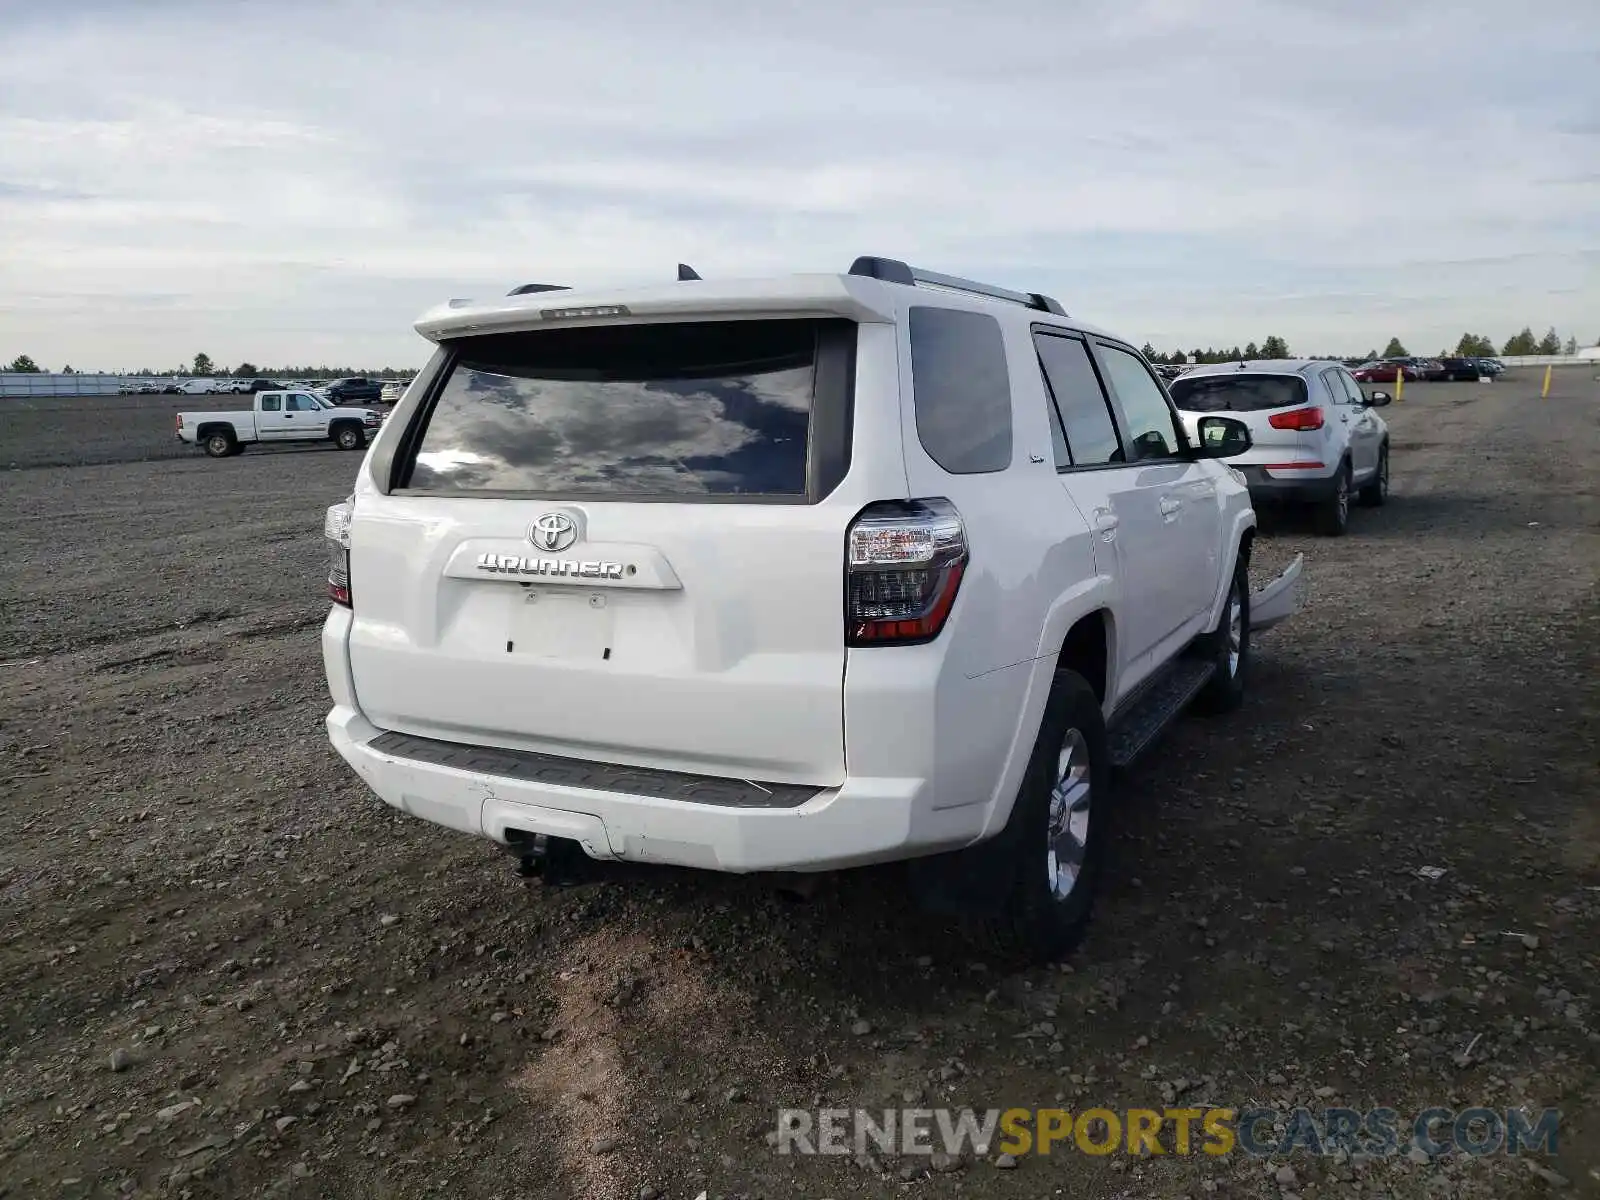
687, 409
1237, 393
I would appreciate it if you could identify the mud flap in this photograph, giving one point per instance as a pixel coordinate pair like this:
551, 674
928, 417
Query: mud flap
1280, 599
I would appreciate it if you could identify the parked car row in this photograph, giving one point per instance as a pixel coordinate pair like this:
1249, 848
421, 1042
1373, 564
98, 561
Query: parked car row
200, 385
1433, 370
1388, 370
354, 390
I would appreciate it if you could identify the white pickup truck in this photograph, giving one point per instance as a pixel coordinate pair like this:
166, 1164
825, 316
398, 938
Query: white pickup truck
290, 416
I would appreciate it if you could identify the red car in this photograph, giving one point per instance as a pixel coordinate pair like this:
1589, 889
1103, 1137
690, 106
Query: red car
1385, 372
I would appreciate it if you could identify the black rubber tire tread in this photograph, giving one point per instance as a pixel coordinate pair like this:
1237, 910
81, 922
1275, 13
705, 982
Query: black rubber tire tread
1375, 494
1224, 693
1329, 521
1032, 926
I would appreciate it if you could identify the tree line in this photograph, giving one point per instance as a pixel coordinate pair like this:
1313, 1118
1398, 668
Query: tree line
202, 366
1471, 345
1273, 347
1477, 345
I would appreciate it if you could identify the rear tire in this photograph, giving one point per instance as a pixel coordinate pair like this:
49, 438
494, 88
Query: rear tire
1374, 494
1228, 647
218, 445
1333, 514
1057, 834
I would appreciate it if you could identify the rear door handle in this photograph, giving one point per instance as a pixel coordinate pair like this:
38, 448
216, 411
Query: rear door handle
1106, 521
1170, 506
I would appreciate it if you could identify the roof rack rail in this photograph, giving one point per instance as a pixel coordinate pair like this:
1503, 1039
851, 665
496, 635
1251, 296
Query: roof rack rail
529, 288
892, 270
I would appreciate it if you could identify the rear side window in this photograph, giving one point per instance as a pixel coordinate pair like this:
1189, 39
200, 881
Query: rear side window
1084, 417
655, 410
961, 390
271, 403
1244, 392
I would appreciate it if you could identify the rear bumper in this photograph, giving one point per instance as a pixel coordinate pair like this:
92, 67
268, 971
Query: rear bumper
864, 821
867, 819
1289, 487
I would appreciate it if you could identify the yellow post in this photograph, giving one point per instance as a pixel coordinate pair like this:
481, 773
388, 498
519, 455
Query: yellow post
1399, 383
1545, 391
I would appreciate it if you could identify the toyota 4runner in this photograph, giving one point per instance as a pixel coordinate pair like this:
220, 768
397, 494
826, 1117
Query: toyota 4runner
789, 575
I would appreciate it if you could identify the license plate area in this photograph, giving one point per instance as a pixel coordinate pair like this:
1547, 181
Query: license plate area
567, 623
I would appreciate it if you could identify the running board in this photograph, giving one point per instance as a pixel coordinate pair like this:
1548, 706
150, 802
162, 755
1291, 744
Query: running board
1134, 731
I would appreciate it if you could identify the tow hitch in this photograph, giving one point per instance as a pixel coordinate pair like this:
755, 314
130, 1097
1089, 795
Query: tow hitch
560, 862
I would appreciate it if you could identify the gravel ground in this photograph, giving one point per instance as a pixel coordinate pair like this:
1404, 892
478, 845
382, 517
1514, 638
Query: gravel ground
226, 970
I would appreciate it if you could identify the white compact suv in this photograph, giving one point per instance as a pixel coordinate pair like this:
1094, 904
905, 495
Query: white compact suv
1315, 439
789, 575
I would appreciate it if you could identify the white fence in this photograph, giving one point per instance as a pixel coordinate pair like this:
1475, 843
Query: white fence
23, 384
1581, 359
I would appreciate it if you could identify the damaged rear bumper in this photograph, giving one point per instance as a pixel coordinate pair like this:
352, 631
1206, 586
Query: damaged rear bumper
1280, 599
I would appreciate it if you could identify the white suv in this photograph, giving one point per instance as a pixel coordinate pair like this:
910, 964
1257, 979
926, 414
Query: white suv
788, 575
1315, 439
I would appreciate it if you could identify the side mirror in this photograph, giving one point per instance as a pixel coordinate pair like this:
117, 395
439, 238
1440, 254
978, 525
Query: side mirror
1378, 399
1223, 437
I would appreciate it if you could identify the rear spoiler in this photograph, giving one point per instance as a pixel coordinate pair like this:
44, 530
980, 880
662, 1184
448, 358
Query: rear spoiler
797, 296
858, 295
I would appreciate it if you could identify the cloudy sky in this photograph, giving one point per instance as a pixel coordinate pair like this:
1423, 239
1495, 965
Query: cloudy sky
295, 182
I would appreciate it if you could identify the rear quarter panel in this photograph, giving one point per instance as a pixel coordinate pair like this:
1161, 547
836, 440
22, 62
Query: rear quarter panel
1032, 573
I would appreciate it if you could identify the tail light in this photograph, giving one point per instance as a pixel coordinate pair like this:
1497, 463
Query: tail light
1300, 418
904, 562
180, 422
336, 528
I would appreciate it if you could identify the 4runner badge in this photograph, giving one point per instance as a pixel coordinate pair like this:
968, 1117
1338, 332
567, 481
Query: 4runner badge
553, 532
516, 564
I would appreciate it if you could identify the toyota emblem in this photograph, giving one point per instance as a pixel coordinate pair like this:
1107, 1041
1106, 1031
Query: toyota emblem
553, 532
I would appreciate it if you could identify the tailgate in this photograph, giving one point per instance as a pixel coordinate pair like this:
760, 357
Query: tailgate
619, 544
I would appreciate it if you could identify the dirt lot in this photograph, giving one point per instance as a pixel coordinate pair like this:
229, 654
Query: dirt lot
226, 970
